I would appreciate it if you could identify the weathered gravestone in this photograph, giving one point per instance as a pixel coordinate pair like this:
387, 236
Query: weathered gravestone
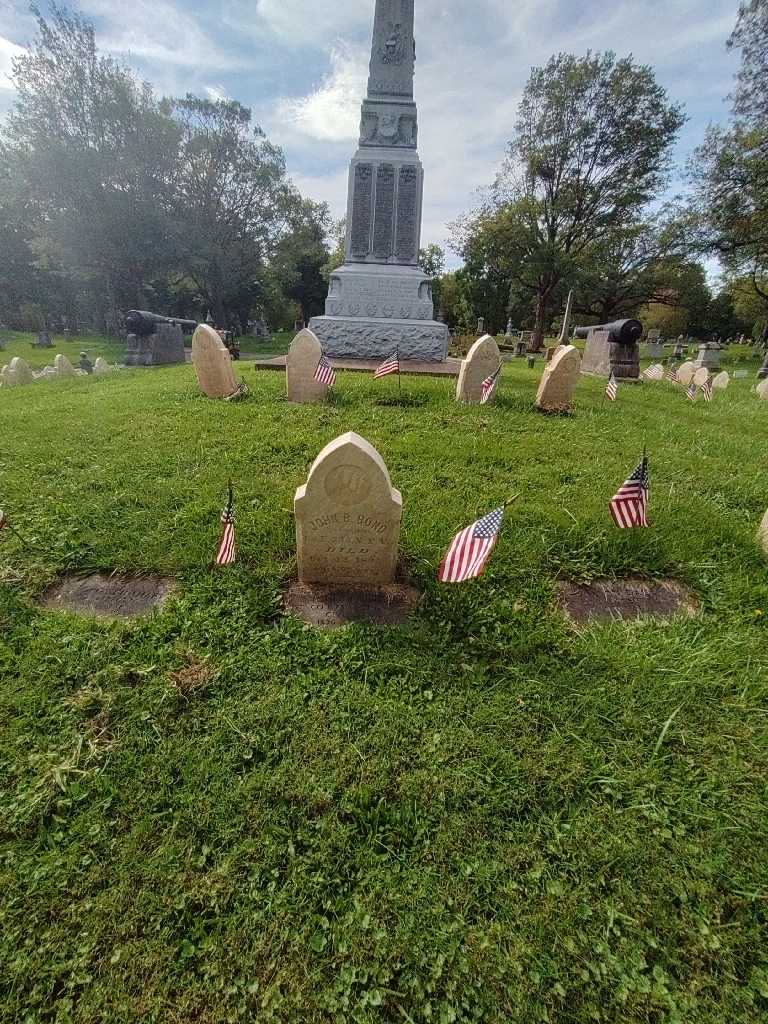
763, 533
101, 367
20, 371
709, 356
348, 517
559, 381
6, 377
612, 349
701, 377
481, 363
63, 366
721, 381
301, 365
762, 390
213, 363
685, 373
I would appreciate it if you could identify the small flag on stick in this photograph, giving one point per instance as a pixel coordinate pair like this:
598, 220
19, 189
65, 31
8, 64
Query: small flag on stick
629, 506
708, 390
324, 373
489, 386
226, 554
672, 376
241, 391
612, 388
391, 365
471, 549
655, 372
692, 392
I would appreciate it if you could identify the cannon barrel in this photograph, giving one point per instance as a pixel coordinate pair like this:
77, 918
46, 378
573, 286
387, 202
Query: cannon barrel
624, 332
142, 323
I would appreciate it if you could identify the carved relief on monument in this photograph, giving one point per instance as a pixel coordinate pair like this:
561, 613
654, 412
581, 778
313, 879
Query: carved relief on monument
388, 127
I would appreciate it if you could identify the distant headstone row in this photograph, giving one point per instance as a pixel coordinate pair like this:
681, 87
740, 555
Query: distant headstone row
18, 372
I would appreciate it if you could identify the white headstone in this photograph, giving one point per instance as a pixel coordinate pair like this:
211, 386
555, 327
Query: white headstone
701, 377
721, 381
6, 377
101, 367
763, 533
348, 517
63, 366
762, 389
481, 363
300, 368
20, 371
559, 381
213, 363
685, 373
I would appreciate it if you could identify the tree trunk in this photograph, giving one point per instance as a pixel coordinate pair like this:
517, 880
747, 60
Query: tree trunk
539, 330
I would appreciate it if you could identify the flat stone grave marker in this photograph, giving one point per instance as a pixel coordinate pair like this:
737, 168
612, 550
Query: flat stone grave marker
300, 368
701, 377
740, 374
21, 371
330, 607
107, 596
482, 361
63, 366
213, 363
721, 381
626, 600
559, 381
348, 517
685, 373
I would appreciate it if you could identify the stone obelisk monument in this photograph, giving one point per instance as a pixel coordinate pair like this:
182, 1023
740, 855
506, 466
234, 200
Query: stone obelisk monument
379, 299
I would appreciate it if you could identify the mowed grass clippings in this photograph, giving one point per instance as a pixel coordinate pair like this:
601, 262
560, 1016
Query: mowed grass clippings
218, 814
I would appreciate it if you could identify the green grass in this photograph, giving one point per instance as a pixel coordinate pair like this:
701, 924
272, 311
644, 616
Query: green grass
220, 815
19, 344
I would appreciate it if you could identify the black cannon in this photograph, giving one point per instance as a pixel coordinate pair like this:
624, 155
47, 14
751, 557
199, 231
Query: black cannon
620, 332
142, 324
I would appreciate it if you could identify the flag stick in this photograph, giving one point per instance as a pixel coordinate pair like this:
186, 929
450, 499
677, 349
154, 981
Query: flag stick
399, 381
511, 501
20, 536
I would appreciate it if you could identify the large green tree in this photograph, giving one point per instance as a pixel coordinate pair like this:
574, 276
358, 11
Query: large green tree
592, 149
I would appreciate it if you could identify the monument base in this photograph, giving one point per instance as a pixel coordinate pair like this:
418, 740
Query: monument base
348, 337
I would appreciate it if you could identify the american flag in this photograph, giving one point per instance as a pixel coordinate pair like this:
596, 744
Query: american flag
241, 391
655, 372
391, 365
629, 507
672, 375
324, 373
692, 392
470, 550
4, 524
226, 554
708, 390
489, 386
612, 388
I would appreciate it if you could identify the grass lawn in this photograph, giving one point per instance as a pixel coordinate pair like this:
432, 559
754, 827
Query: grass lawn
220, 815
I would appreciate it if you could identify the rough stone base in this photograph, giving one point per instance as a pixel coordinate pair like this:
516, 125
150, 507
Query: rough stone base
366, 338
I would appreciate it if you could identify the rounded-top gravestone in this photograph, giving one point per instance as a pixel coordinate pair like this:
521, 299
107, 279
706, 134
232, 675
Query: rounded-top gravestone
213, 363
685, 373
762, 389
559, 381
482, 362
763, 533
301, 365
348, 517
63, 366
701, 377
20, 371
721, 381
101, 367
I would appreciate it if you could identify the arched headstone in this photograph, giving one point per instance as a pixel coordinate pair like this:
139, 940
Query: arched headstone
482, 362
63, 366
762, 389
348, 517
213, 363
721, 381
20, 371
559, 381
300, 367
763, 533
701, 377
6, 377
685, 373
101, 367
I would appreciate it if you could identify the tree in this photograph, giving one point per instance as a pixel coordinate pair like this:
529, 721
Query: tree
95, 158
751, 37
301, 256
432, 262
592, 148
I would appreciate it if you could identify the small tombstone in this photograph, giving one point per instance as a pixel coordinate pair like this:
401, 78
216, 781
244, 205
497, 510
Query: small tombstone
482, 362
763, 533
701, 377
685, 373
480, 326
101, 367
300, 367
44, 340
348, 517
49, 373
63, 366
762, 390
20, 371
721, 381
521, 349
213, 363
7, 379
709, 356
559, 381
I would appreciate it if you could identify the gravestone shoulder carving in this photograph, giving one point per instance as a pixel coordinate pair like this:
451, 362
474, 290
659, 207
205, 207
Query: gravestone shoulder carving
300, 368
482, 361
348, 517
213, 363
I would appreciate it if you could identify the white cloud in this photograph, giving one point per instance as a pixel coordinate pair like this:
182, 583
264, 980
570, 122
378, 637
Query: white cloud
331, 113
216, 93
301, 22
8, 51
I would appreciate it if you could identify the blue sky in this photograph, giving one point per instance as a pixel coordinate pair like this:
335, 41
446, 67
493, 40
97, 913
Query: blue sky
301, 66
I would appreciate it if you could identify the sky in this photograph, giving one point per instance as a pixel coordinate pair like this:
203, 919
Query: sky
301, 65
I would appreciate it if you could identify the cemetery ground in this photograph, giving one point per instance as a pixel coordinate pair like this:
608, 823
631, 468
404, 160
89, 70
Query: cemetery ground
219, 814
